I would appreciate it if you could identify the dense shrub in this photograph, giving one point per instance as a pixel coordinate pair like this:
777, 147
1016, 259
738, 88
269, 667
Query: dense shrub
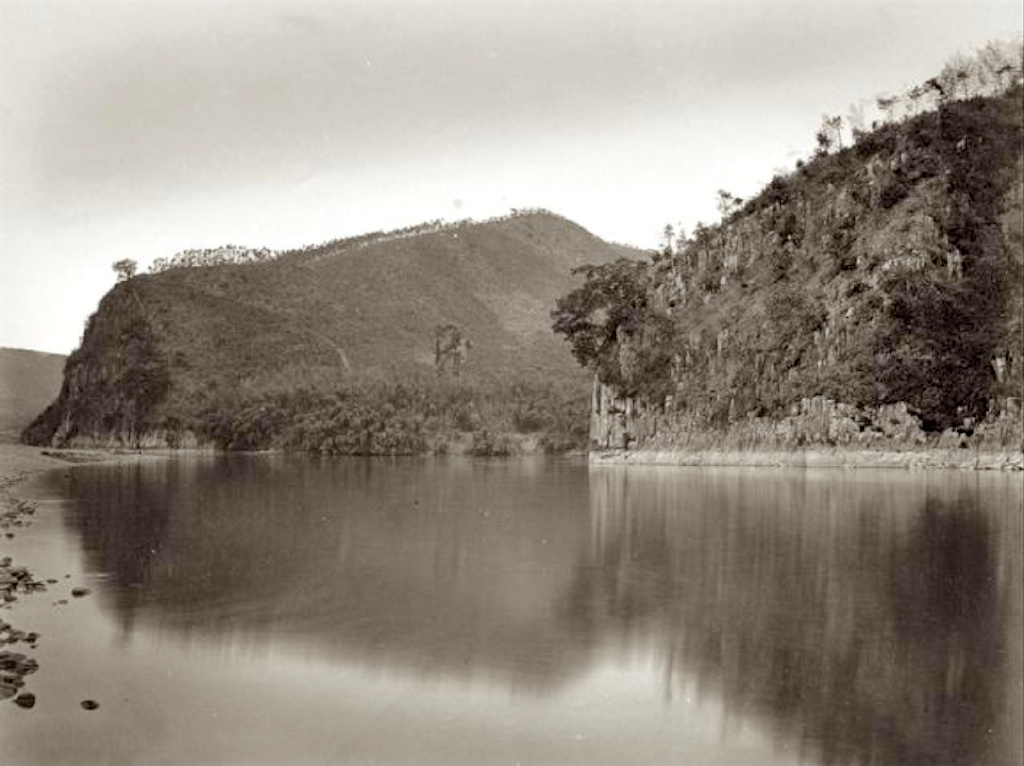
378, 417
893, 193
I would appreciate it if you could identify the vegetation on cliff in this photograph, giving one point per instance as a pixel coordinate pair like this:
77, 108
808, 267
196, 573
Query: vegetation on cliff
429, 338
886, 271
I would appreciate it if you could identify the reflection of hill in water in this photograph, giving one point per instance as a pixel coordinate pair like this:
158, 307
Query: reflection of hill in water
871, 618
437, 568
875, 623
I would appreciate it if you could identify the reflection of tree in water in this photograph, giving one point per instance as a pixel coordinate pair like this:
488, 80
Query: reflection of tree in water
135, 537
134, 534
945, 618
390, 564
867, 634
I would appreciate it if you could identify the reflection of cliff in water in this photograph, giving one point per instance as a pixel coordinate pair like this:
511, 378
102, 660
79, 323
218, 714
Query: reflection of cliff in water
868, 617
440, 569
867, 621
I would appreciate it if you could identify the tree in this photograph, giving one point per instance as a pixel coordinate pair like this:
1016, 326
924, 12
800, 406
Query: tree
125, 269
956, 76
612, 301
682, 240
856, 120
887, 104
830, 134
668, 239
450, 348
615, 331
824, 141
998, 63
727, 203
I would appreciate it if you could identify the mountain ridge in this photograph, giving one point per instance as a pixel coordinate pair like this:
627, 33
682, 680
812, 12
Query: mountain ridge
29, 380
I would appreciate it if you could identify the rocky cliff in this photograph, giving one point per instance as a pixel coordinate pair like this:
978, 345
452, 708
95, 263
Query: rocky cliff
886, 274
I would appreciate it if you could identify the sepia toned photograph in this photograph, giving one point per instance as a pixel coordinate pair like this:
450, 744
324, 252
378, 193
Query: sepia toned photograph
471, 382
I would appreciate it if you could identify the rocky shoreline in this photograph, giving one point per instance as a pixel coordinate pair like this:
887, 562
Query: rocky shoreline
15, 582
817, 458
18, 463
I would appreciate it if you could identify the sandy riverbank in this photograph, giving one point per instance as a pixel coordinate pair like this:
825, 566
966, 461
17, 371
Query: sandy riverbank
819, 458
18, 461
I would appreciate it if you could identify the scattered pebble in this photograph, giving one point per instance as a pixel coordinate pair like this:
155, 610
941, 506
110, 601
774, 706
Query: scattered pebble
80, 592
89, 704
17, 663
14, 513
16, 581
14, 666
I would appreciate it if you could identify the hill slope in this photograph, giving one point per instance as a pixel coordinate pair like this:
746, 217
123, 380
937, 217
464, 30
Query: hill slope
884, 273
29, 380
168, 351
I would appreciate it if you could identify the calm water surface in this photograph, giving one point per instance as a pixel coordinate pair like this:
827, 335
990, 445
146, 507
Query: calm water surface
274, 610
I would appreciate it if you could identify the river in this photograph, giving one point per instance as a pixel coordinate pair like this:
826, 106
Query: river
267, 609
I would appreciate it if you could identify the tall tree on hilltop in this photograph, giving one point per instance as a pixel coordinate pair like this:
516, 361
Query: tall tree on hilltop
125, 269
727, 203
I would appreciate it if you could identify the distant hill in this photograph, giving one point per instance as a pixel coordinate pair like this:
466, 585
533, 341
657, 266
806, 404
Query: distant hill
168, 351
29, 381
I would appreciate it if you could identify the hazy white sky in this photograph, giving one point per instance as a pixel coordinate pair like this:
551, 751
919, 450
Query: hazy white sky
137, 129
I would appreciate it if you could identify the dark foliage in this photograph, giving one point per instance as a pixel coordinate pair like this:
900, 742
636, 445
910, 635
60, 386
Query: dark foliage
894, 193
613, 328
415, 416
887, 272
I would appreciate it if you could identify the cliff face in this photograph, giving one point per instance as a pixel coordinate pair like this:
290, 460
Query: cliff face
171, 356
888, 272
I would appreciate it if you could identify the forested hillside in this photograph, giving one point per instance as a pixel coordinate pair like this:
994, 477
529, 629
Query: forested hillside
429, 338
881, 280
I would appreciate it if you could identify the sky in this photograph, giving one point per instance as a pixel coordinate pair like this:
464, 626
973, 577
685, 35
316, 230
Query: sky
138, 129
